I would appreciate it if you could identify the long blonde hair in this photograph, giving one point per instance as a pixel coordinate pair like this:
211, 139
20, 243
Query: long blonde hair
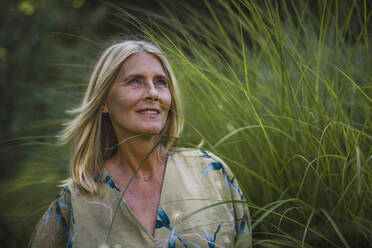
91, 131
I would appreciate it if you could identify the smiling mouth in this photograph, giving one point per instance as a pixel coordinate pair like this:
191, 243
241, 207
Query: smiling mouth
153, 112
149, 112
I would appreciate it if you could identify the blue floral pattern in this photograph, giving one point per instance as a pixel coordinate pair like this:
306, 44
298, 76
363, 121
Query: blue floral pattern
216, 166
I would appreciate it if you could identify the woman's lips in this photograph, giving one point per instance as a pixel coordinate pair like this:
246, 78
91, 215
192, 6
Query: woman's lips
149, 112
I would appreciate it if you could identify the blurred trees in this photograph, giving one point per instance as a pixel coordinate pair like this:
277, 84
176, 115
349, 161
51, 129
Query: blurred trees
34, 42
45, 49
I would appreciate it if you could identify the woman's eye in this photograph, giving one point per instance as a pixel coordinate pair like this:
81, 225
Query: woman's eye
134, 82
162, 82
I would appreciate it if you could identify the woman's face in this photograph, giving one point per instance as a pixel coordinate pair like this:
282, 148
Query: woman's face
139, 98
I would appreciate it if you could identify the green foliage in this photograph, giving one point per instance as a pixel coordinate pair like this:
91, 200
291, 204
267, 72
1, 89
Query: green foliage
43, 71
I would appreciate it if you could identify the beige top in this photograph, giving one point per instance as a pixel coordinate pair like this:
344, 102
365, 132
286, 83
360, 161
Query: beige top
193, 180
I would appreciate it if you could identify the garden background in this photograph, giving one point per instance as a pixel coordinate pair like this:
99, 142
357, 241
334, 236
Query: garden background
280, 89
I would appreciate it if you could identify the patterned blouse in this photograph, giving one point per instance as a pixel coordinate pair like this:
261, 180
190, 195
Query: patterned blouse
195, 210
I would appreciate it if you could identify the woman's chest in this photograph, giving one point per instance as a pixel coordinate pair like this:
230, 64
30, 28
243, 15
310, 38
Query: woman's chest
144, 202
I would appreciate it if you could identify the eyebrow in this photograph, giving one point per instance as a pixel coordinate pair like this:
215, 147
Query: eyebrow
133, 76
140, 76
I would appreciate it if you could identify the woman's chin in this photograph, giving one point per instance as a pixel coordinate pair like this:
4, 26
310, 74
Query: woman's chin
152, 131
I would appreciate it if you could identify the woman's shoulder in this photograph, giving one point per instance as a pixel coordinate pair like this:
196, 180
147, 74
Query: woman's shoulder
191, 153
183, 151
64, 195
198, 158
70, 190
194, 153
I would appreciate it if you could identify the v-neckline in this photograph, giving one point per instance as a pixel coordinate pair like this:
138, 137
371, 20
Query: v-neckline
110, 182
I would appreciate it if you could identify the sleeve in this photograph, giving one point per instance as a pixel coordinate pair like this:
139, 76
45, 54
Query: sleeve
241, 212
241, 215
53, 228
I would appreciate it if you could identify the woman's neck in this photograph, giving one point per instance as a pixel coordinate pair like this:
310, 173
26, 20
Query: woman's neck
131, 154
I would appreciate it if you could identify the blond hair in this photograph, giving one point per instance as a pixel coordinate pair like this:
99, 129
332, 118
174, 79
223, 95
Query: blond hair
91, 131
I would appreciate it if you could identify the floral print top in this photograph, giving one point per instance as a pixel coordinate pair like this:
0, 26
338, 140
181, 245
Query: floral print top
196, 209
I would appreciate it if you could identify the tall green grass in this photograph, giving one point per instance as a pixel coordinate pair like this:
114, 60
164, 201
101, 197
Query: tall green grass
281, 90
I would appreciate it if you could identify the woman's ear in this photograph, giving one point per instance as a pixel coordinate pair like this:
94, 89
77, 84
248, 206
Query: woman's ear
104, 108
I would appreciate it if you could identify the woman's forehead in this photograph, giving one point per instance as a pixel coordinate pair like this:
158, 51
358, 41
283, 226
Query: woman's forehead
143, 63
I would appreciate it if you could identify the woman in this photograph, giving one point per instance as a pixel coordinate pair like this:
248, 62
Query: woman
123, 135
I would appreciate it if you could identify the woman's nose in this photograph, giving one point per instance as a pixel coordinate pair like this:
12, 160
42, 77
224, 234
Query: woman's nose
151, 92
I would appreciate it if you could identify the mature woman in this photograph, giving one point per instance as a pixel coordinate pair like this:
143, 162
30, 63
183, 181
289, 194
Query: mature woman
123, 135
